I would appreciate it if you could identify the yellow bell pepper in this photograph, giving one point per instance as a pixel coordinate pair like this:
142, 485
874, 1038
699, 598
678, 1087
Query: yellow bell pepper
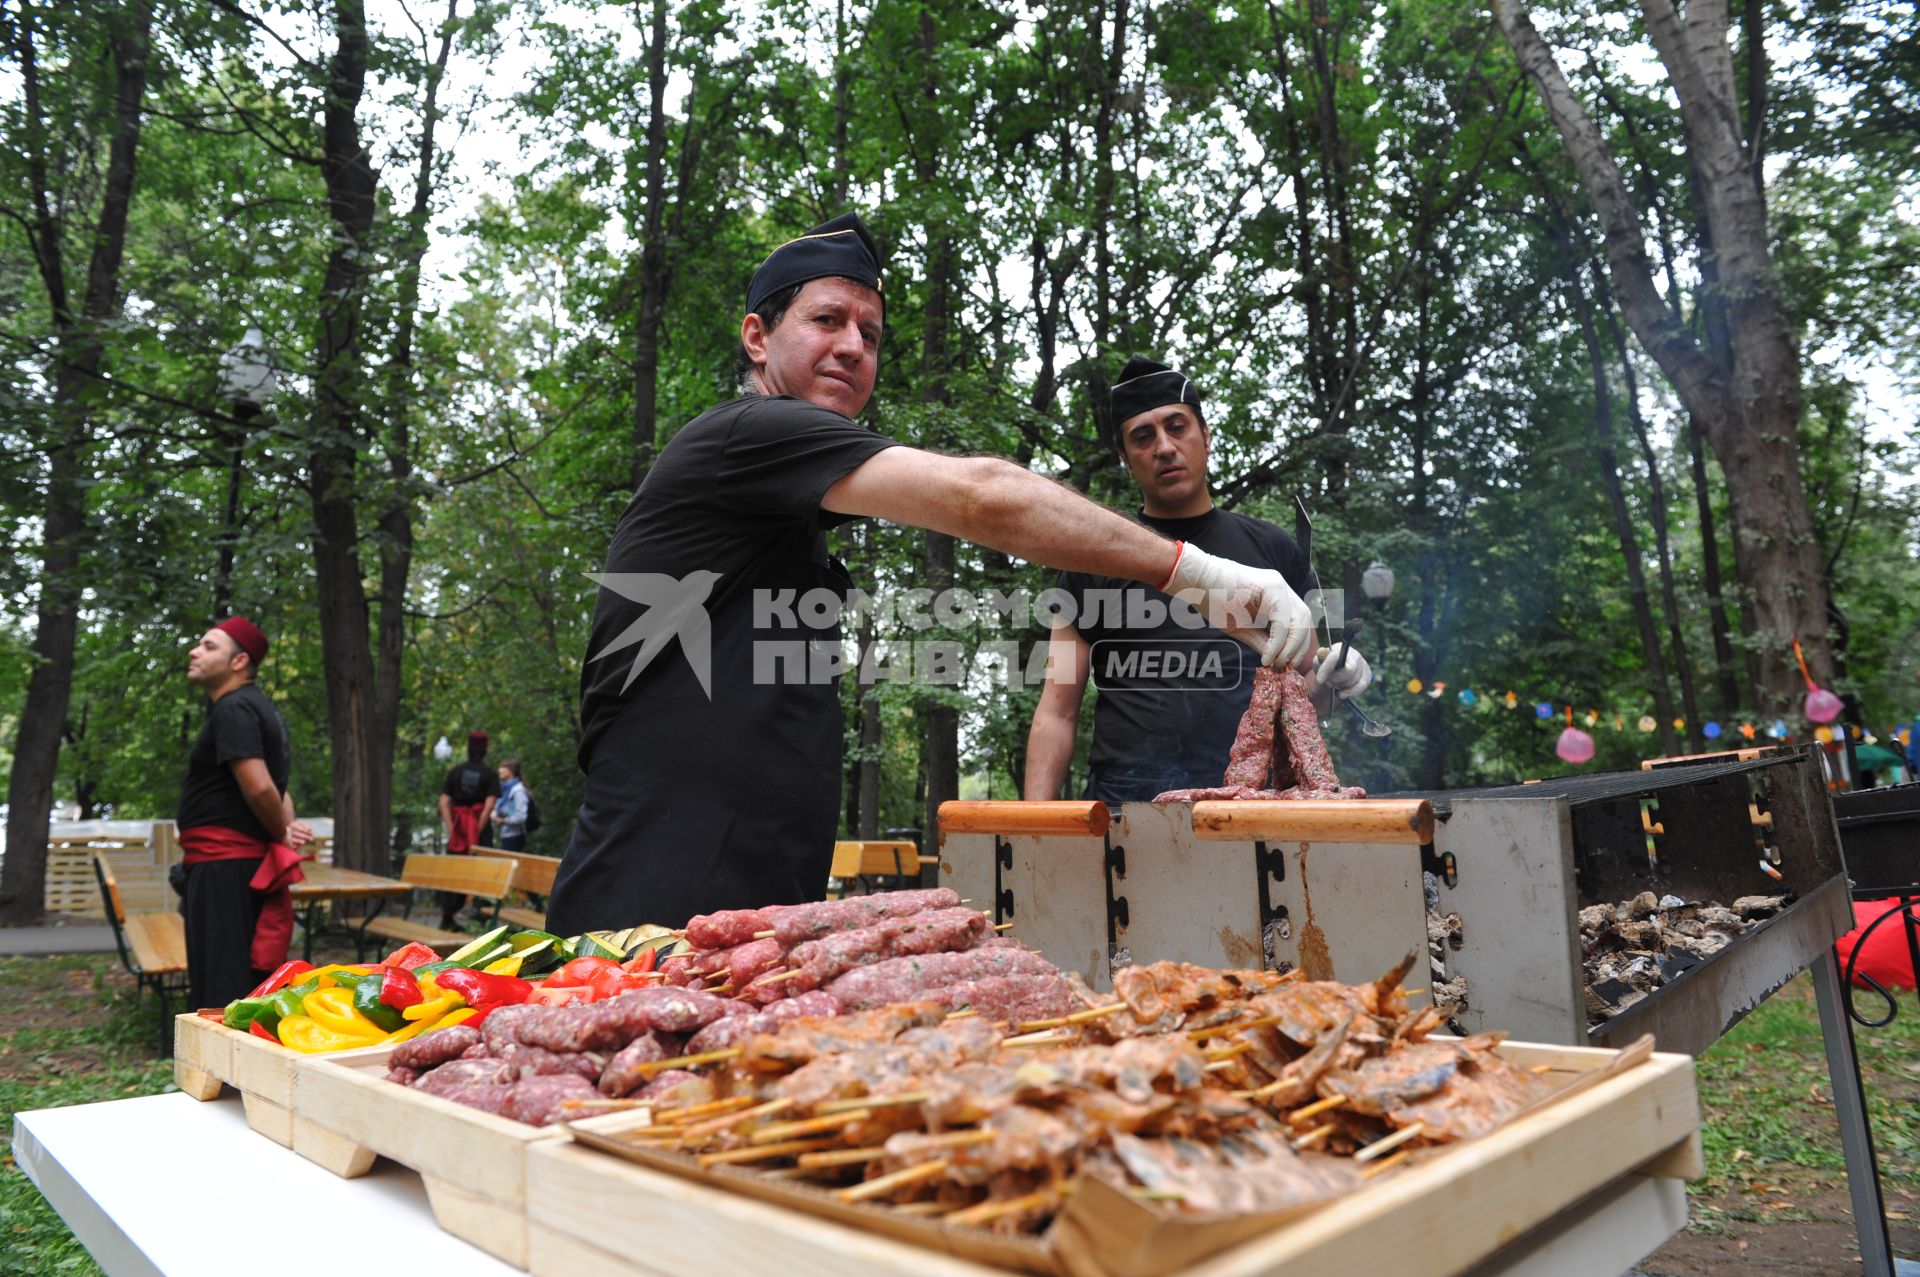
303, 1033
438, 1002
325, 974
332, 1009
504, 966
417, 1027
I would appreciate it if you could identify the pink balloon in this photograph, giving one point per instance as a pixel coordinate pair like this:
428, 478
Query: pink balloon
1574, 746
1822, 706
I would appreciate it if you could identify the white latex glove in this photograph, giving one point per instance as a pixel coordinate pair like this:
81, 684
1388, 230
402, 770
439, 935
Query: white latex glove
1352, 678
1254, 605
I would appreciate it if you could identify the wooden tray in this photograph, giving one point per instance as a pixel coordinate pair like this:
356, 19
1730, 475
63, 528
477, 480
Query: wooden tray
646, 1213
208, 1055
472, 1163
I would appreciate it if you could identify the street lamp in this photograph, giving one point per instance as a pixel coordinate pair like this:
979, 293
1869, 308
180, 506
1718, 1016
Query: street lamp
246, 373
1377, 583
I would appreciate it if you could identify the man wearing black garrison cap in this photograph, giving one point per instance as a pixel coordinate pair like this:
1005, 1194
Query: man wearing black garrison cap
712, 781
1172, 689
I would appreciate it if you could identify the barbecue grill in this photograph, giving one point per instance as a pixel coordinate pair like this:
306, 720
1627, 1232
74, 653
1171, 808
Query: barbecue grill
1260, 883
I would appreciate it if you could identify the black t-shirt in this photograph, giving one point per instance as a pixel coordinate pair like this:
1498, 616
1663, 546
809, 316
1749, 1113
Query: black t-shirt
1171, 689
730, 509
242, 724
471, 784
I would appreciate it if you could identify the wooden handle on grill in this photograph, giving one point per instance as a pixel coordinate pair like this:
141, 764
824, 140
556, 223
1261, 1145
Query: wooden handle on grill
1087, 820
1390, 820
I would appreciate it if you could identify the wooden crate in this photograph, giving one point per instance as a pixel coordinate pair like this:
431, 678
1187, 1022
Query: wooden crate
1440, 1214
472, 1163
208, 1055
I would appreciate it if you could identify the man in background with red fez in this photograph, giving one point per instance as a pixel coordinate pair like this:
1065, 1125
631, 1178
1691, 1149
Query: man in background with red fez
466, 805
236, 822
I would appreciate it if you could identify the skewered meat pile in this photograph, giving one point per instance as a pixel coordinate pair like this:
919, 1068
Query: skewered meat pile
1278, 751
1634, 947
1214, 1091
781, 964
867, 951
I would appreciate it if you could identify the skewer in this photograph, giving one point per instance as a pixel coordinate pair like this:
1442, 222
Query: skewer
760, 1152
1315, 1137
652, 1067
1078, 1017
669, 1116
840, 1157
1047, 1037
1221, 1055
1221, 1030
808, 1126
779, 977
963, 1013
1301, 1116
1386, 1164
1156, 1195
870, 1102
764, 935
1388, 1143
988, 1211
713, 1126
605, 1106
1003, 926
899, 1179
923, 1210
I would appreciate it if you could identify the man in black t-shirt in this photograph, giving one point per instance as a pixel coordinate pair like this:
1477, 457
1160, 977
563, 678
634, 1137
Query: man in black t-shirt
710, 718
236, 824
1172, 689
466, 806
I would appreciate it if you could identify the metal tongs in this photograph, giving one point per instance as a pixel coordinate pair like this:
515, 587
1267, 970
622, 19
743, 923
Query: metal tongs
1303, 533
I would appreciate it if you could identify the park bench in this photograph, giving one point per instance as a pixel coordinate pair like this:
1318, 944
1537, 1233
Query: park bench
533, 875
485, 877
858, 861
153, 946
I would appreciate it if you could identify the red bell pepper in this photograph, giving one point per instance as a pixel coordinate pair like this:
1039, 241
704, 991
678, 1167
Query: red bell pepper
261, 1031
282, 976
411, 955
399, 989
482, 991
579, 973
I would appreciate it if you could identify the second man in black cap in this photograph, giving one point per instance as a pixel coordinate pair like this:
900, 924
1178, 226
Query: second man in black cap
1172, 689
713, 775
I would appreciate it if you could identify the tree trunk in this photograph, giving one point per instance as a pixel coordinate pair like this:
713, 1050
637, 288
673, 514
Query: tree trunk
1749, 408
1622, 517
338, 430
1726, 667
653, 255
78, 356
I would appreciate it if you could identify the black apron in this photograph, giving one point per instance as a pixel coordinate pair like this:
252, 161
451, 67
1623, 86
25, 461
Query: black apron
694, 805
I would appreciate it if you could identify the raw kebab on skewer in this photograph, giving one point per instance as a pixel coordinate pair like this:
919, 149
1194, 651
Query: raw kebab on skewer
1278, 751
1214, 1091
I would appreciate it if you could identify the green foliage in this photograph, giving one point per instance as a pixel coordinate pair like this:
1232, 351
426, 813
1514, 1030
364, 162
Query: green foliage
1339, 217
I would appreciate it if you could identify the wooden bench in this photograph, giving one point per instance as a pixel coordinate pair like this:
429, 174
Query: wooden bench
533, 876
486, 877
856, 860
153, 946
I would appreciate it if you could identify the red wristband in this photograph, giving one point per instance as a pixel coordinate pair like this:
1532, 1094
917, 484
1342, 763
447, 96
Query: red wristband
1179, 548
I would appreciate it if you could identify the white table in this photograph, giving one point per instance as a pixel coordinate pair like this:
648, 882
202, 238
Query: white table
166, 1184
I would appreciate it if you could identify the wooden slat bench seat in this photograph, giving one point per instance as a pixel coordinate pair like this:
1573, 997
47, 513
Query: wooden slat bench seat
858, 859
484, 877
153, 946
532, 876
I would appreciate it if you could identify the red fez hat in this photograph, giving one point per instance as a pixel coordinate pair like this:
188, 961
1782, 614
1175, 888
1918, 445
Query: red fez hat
248, 636
477, 737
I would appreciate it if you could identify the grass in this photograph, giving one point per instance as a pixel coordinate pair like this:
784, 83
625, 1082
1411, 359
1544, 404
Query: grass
72, 1032
1768, 1124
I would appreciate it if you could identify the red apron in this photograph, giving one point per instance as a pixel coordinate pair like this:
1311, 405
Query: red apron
279, 870
466, 827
